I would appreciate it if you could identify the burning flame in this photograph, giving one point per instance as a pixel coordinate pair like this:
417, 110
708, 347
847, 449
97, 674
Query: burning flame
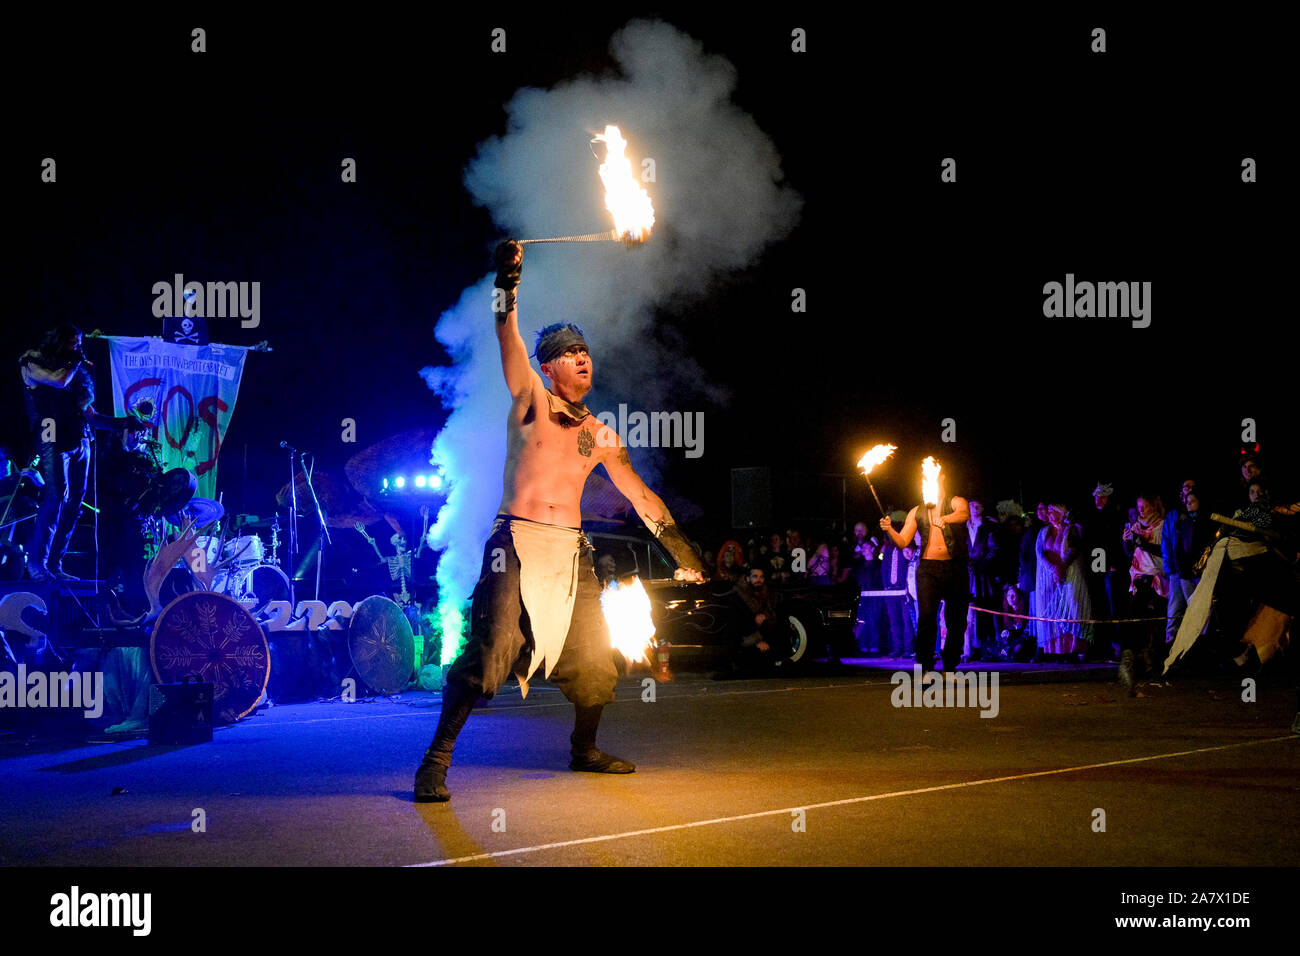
624, 198
930, 481
874, 456
627, 610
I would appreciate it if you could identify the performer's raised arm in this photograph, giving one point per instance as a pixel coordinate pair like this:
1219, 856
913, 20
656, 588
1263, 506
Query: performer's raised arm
960, 513
652, 511
902, 538
509, 262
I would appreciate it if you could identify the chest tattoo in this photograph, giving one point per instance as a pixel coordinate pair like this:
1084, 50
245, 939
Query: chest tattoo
586, 442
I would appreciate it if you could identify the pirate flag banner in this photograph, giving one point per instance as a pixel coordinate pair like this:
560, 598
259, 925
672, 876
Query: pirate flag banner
186, 392
185, 330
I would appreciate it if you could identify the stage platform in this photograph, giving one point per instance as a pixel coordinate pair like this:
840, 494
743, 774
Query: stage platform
59, 610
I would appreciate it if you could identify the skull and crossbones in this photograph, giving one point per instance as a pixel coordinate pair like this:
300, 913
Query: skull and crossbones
187, 333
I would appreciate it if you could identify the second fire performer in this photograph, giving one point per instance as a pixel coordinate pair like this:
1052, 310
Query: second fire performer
941, 576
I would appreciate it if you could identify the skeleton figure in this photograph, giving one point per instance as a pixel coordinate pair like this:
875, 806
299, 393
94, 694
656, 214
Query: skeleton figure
187, 333
399, 565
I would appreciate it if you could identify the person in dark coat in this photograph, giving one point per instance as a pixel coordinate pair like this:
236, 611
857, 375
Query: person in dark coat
901, 635
983, 536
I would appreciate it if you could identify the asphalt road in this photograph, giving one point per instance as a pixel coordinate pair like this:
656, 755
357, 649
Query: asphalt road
794, 772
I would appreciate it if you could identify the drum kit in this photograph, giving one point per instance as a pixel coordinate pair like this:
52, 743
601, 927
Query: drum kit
216, 599
239, 567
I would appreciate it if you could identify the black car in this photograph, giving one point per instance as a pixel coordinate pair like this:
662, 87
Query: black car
699, 620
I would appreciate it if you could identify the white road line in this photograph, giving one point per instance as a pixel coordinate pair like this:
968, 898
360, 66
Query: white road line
839, 803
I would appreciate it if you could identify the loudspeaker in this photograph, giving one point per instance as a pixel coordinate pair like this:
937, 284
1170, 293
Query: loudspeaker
180, 713
751, 497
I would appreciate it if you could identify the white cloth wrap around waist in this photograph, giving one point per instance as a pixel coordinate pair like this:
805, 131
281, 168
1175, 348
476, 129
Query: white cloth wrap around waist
548, 584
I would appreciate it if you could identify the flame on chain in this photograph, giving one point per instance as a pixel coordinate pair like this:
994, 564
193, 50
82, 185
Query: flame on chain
930, 481
627, 202
874, 456
627, 611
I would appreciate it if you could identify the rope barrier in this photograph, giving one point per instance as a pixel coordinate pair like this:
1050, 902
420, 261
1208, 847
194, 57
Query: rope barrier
1026, 617
1071, 620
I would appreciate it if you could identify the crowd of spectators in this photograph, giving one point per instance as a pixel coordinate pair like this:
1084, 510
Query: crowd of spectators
1054, 583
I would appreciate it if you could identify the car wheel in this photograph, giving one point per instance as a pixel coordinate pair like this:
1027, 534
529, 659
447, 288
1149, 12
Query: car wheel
801, 638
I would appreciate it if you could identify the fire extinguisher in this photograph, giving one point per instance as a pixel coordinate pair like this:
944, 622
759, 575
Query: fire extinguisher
662, 673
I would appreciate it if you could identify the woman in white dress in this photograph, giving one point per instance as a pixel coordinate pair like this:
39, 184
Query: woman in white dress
1062, 588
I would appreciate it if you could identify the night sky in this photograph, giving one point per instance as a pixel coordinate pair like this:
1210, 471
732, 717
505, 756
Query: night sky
924, 298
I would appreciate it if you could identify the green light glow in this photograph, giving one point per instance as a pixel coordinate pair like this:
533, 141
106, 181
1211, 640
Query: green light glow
453, 631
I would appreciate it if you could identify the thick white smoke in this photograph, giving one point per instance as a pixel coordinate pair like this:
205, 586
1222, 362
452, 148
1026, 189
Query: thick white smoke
719, 200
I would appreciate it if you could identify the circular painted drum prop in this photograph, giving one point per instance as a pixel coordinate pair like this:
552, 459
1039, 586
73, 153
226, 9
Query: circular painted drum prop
382, 645
213, 637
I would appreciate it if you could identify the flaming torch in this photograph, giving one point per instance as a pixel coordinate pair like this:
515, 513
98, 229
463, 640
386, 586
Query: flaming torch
930, 481
627, 202
626, 607
874, 456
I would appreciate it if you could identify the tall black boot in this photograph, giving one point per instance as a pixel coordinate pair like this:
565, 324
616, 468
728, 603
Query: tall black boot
585, 755
431, 777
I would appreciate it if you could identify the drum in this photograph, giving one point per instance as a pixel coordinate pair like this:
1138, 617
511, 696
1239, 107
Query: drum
259, 585
245, 551
171, 492
208, 544
382, 645
213, 638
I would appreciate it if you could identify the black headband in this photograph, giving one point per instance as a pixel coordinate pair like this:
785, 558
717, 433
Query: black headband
554, 345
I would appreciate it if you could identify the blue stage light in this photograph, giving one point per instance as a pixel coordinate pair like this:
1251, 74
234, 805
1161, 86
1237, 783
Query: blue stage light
420, 481
435, 482
385, 484
400, 482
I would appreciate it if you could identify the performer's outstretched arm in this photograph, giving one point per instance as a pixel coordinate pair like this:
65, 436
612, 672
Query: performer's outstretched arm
519, 374
652, 511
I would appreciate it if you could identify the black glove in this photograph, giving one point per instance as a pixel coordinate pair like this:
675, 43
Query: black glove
680, 548
509, 268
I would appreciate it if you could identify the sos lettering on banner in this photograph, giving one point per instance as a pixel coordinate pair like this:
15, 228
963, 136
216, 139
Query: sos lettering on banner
193, 391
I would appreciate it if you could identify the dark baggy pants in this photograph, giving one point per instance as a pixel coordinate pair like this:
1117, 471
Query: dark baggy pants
945, 581
65, 487
501, 643
501, 639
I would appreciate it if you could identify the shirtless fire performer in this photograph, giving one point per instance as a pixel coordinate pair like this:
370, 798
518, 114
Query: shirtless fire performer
941, 575
538, 597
